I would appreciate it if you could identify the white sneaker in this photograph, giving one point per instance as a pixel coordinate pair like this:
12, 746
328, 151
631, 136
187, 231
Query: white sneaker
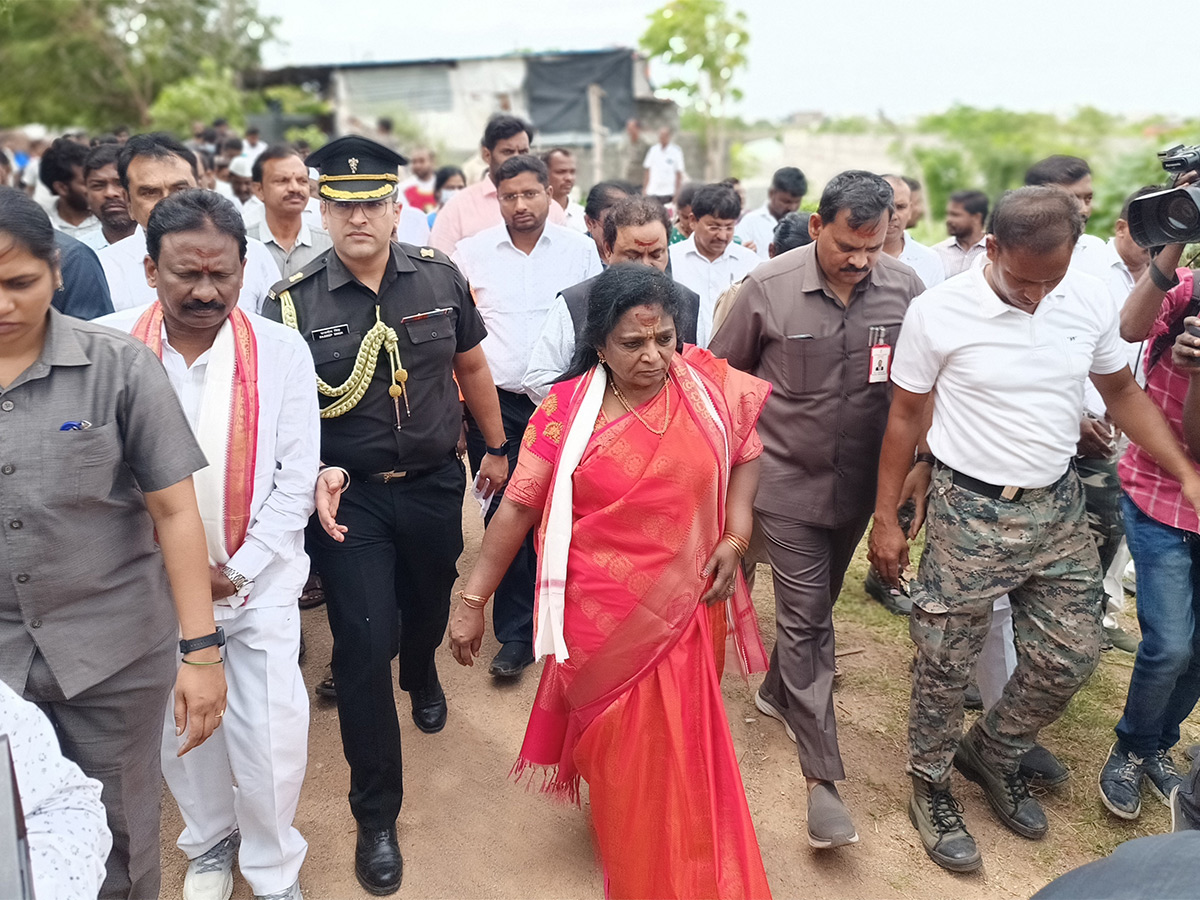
210, 875
292, 893
767, 708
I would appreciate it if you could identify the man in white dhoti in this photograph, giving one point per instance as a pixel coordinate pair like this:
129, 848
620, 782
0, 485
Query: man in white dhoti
246, 385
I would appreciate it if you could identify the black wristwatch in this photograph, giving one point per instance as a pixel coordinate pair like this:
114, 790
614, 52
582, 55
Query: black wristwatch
216, 639
502, 450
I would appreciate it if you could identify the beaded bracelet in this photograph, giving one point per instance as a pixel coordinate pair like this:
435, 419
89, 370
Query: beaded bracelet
472, 601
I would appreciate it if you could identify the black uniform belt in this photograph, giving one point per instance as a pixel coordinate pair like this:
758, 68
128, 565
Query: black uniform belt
397, 474
1006, 492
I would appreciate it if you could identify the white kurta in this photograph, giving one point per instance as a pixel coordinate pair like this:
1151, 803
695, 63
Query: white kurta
263, 739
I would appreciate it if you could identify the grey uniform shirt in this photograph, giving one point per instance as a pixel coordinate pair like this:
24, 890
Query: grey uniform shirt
81, 577
823, 424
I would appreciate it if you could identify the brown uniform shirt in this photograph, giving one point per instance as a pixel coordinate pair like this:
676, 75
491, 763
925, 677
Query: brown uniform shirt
823, 424
81, 578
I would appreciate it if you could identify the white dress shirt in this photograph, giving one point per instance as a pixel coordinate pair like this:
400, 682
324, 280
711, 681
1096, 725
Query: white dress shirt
286, 458
956, 260
575, 214
663, 164
553, 350
923, 261
253, 211
1107, 265
1008, 386
412, 227
709, 279
757, 227
66, 824
125, 268
513, 291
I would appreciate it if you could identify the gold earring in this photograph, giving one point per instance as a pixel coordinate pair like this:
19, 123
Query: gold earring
600, 356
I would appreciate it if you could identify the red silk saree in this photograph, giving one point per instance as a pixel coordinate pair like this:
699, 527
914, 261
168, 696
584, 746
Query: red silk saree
636, 708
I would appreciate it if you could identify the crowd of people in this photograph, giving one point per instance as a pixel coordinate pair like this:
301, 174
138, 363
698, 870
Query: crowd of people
271, 364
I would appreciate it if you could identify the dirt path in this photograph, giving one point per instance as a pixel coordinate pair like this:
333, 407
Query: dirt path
467, 831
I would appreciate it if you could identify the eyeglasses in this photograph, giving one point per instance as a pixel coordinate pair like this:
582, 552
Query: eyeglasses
372, 209
527, 196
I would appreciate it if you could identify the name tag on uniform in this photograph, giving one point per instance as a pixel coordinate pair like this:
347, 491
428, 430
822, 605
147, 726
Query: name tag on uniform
324, 334
881, 356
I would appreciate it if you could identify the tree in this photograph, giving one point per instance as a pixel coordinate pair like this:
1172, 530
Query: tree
706, 44
101, 62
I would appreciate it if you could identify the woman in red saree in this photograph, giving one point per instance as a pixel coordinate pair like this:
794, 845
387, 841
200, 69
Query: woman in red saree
641, 472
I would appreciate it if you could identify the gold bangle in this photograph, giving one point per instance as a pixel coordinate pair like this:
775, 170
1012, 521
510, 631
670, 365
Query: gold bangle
472, 601
739, 544
188, 662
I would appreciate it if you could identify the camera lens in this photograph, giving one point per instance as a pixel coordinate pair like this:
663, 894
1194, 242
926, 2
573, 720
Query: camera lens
1180, 216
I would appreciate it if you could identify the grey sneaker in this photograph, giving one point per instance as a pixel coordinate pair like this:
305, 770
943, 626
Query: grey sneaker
1121, 639
1160, 773
292, 893
829, 822
1121, 783
937, 816
210, 875
767, 708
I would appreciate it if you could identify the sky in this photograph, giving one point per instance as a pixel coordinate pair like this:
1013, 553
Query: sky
904, 59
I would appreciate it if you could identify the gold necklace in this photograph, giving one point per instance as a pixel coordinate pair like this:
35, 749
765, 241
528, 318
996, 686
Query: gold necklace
625, 403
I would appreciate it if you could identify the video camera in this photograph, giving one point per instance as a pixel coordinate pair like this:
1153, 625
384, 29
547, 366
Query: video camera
1171, 216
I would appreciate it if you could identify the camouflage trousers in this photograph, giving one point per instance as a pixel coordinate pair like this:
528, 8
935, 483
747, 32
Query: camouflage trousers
1039, 552
1102, 500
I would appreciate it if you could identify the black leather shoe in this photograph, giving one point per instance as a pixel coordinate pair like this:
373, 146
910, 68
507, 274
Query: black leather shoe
429, 708
326, 688
378, 864
512, 659
1041, 767
1006, 792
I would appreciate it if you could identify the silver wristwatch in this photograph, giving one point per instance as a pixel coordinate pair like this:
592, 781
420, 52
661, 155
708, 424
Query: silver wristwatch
241, 584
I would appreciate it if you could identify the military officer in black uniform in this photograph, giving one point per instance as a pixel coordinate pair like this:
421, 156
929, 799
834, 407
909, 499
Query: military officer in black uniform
390, 326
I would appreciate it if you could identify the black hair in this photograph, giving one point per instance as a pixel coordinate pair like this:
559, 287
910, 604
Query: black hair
252, 130
209, 136
1140, 192
193, 210
974, 202
100, 156
913, 184
864, 195
632, 212
60, 160
1057, 170
554, 151
232, 146
385, 124
501, 127
275, 151
790, 180
219, 121
106, 138
24, 220
687, 192
791, 232
519, 165
606, 194
720, 201
1037, 218
444, 174
156, 145
619, 289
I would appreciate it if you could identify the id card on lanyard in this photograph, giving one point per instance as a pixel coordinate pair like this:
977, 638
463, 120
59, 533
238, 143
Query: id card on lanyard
881, 355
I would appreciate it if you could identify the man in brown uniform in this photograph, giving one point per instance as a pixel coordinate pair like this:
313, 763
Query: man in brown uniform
819, 324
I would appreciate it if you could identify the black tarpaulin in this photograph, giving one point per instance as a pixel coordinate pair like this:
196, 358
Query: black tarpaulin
557, 90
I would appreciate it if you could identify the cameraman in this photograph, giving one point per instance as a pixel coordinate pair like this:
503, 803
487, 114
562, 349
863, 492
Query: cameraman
1163, 532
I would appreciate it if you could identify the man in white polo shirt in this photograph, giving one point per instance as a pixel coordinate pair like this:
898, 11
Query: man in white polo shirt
1005, 350
516, 269
709, 261
663, 168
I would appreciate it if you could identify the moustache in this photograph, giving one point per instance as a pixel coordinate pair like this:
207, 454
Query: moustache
855, 270
204, 305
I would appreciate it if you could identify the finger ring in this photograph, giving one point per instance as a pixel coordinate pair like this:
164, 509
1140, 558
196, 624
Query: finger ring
221, 713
